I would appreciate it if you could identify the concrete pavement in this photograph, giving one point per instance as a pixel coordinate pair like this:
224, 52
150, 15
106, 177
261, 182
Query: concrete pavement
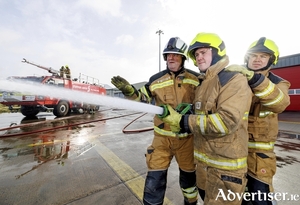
99, 164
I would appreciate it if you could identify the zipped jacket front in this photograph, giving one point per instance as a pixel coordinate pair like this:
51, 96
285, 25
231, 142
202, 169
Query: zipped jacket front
168, 88
222, 102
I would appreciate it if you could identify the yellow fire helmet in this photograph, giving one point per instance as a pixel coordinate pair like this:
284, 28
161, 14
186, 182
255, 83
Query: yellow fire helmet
177, 46
206, 40
264, 45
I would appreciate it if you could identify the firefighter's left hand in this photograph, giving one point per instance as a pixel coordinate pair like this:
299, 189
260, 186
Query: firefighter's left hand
248, 73
123, 85
173, 119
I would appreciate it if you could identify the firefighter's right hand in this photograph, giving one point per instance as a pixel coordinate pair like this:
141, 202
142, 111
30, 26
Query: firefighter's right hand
173, 119
122, 85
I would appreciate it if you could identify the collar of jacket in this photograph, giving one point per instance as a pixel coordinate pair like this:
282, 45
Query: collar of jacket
264, 72
216, 68
177, 72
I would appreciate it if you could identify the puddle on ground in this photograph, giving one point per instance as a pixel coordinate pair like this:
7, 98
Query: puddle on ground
290, 135
286, 140
59, 146
284, 161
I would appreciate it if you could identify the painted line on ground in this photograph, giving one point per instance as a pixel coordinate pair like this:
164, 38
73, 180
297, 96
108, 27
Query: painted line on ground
131, 178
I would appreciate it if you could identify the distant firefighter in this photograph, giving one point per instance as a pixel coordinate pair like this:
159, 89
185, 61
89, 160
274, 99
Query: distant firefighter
62, 71
67, 72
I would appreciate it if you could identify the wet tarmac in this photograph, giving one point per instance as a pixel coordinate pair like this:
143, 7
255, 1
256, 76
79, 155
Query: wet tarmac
96, 163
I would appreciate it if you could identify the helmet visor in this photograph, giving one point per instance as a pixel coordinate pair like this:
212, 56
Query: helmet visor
175, 46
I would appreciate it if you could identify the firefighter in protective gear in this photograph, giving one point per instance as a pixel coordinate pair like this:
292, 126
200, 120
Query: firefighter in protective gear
67, 72
62, 71
174, 85
270, 97
219, 122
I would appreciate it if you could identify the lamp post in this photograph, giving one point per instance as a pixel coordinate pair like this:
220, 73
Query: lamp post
159, 32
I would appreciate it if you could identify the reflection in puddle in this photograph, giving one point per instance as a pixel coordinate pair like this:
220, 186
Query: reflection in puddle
50, 148
287, 141
45, 148
32, 119
288, 160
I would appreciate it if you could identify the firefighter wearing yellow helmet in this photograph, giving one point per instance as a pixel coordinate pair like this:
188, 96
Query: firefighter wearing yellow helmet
175, 86
207, 40
266, 46
219, 123
270, 97
67, 72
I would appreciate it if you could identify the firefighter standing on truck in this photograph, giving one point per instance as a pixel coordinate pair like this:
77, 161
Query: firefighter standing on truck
270, 97
219, 124
174, 85
62, 71
67, 72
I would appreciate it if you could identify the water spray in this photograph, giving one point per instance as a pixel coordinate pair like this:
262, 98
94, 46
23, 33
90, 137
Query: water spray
72, 95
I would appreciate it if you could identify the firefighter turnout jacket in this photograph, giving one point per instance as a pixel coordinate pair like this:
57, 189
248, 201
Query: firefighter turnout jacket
168, 88
270, 97
222, 102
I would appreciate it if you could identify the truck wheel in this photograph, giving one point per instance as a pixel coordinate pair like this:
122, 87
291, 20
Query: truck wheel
61, 109
29, 111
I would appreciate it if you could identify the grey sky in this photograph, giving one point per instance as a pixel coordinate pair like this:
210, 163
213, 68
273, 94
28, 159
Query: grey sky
118, 37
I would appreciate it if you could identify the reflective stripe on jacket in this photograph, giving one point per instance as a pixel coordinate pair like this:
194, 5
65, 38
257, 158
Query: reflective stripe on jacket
270, 97
227, 164
167, 88
221, 103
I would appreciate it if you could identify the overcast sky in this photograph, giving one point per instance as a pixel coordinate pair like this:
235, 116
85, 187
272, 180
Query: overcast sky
104, 38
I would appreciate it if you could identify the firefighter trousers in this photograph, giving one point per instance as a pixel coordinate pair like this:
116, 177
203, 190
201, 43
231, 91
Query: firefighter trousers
156, 183
259, 191
158, 158
224, 187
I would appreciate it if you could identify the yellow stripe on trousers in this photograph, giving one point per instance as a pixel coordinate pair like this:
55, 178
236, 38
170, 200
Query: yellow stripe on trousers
131, 178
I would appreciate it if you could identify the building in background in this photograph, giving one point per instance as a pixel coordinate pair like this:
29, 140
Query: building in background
288, 67
115, 92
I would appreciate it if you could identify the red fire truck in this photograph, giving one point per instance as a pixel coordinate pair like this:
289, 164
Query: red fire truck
31, 105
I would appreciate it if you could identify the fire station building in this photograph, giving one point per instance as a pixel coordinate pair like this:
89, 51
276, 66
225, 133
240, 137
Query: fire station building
288, 67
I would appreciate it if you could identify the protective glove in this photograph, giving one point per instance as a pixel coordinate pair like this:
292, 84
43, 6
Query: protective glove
248, 73
182, 108
173, 119
122, 85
